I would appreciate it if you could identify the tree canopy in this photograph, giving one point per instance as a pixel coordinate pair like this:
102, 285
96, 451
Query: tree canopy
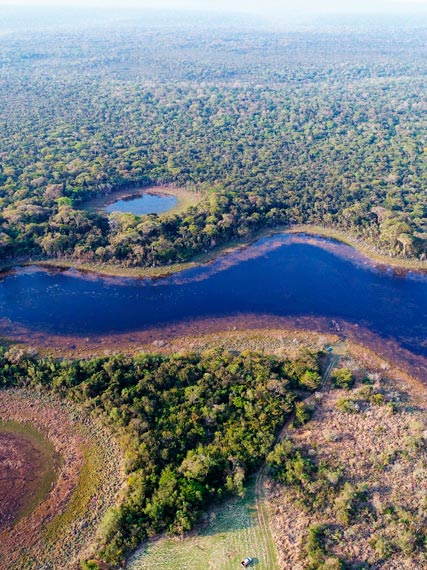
274, 127
193, 427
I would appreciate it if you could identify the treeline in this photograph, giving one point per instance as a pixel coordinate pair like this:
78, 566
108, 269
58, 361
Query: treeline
319, 143
193, 427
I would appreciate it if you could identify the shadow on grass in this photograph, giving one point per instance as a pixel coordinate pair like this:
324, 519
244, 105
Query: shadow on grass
234, 514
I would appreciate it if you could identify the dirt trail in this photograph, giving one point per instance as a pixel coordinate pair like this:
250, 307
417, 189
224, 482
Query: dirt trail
260, 494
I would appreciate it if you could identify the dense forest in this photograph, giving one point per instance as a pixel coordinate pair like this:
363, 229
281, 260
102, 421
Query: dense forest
273, 127
193, 427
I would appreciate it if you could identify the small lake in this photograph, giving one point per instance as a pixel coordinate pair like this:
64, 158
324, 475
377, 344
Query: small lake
143, 204
284, 276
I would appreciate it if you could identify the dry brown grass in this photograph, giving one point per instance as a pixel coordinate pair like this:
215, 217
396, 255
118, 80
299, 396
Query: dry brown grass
280, 342
382, 446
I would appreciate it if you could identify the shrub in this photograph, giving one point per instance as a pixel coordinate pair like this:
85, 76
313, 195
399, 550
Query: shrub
314, 546
288, 465
316, 552
302, 414
368, 381
406, 541
347, 405
90, 565
349, 502
377, 399
365, 392
342, 378
311, 379
392, 407
382, 547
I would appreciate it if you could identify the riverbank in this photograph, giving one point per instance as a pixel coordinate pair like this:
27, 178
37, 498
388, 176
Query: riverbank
372, 255
109, 270
284, 336
362, 247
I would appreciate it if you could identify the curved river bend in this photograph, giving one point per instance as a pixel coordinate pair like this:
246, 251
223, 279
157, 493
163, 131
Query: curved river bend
283, 276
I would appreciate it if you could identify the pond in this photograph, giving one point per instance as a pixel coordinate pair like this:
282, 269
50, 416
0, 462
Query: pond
284, 276
147, 203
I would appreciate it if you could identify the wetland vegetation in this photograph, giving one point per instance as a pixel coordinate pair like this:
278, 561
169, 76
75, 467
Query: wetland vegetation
61, 472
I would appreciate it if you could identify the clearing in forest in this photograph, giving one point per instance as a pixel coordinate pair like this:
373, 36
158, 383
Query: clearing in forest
228, 533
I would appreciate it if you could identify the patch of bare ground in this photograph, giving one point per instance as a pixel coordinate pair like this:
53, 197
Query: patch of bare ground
26, 471
364, 503
89, 476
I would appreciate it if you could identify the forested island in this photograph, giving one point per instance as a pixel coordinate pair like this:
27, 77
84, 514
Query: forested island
273, 127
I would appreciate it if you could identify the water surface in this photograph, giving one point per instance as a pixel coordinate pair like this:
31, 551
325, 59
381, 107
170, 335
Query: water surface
281, 276
145, 204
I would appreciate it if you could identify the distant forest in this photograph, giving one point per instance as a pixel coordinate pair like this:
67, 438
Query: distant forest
273, 127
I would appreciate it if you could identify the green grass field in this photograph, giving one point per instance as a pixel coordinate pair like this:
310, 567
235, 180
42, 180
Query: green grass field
229, 533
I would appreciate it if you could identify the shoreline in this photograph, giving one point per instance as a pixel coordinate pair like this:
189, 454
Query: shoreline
154, 338
205, 333
375, 257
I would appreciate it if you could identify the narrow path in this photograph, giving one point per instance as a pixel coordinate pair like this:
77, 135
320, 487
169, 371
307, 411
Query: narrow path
260, 495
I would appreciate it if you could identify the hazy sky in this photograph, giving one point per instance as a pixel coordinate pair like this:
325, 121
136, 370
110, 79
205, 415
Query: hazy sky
260, 6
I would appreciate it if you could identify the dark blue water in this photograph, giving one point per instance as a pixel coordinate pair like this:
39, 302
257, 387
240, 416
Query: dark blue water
145, 204
294, 279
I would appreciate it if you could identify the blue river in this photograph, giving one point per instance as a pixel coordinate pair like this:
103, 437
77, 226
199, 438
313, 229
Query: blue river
284, 276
